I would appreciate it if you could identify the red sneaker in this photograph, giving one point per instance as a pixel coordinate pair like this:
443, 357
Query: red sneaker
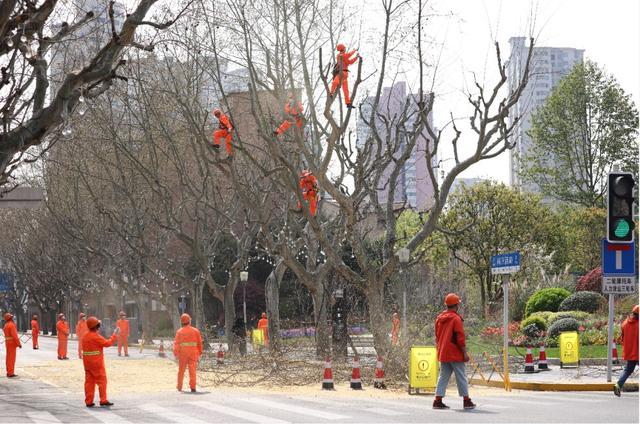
468, 404
437, 404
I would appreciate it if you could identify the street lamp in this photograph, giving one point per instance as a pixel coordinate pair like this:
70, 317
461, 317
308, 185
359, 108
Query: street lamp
244, 276
403, 257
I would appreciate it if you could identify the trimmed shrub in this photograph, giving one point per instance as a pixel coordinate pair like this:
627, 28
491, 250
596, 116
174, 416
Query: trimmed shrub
532, 331
564, 324
579, 316
546, 300
591, 281
587, 301
537, 321
545, 315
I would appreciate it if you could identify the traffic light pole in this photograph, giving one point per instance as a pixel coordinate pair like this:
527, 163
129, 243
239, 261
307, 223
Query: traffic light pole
505, 338
610, 339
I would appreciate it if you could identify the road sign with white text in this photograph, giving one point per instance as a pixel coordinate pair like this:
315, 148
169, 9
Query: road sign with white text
618, 259
619, 285
505, 263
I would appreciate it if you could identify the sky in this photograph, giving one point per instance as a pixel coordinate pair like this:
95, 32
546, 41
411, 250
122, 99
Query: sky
465, 30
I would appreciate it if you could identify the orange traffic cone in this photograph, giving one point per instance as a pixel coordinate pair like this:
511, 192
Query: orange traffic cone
542, 361
614, 353
378, 379
528, 361
327, 379
161, 350
356, 381
220, 356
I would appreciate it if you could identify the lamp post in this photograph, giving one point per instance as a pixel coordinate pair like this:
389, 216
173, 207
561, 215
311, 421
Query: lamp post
403, 257
244, 276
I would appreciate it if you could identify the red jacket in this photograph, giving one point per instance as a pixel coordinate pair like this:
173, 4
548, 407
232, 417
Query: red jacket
11, 337
629, 338
188, 343
92, 345
450, 338
309, 184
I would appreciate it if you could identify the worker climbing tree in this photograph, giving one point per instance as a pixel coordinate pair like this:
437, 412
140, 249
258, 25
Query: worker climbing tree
341, 72
309, 187
295, 111
224, 131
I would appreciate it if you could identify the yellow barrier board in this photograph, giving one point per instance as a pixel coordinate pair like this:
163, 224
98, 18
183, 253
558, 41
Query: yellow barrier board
569, 348
423, 367
257, 337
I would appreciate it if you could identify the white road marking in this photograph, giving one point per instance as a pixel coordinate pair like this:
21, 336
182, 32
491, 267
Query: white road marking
297, 409
41, 417
105, 416
238, 413
382, 411
169, 415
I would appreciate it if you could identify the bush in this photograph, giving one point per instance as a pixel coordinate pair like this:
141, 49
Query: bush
545, 315
532, 331
591, 281
587, 301
579, 316
593, 337
546, 300
564, 324
535, 320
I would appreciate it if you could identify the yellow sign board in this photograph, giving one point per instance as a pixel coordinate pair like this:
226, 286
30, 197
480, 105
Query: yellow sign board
423, 367
569, 347
257, 337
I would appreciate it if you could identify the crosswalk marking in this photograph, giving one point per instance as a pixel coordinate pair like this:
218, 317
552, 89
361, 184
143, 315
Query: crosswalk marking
42, 417
105, 416
169, 415
297, 409
245, 415
382, 411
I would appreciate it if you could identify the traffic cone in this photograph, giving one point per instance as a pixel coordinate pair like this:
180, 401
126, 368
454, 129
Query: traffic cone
528, 362
356, 381
378, 379
327, 379
542, 361
161, 350
614, 353
220, 356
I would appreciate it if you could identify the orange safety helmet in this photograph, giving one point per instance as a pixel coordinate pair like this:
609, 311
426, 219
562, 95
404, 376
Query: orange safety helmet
264, 315
7, 316
635, 309
451, 299
185, 319
341, 47
216, 112
92, 322
305, 173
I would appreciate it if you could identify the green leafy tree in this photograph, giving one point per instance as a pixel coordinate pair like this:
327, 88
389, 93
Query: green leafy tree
586, 125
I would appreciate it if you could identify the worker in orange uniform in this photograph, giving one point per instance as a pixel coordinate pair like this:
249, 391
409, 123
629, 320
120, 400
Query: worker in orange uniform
224, 131
395, 328
263, 324
63, 336
341, 72
12, 342
296, 112
309, 187
93, 361
81, 330
35, 331
187, 348
123, 337
629, 339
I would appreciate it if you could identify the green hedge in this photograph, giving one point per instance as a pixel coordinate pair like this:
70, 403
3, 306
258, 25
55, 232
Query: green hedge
579, 316
564, 324
538, 321
546, 300
586, 301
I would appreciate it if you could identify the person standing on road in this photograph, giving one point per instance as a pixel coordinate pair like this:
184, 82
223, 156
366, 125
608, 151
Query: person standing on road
123, 338
63, 336
187, 348
395, 328
629, 339
452, 352
12, 342
35, 331
81, 330
93, 360
263, 325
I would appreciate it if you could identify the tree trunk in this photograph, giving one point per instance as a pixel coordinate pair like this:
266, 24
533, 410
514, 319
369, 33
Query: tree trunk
230, 308
375, 298
144, 314
272, 297
483, 297
198, 309
321, 306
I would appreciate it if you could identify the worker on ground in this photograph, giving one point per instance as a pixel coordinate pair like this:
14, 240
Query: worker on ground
224, 131
93, 360
341, 72
629, 339
123, 337
12, 342
81, 330
309, 187
63, 336
263, 325
187, 348
296, 112
452, 352
395, 328
35, 331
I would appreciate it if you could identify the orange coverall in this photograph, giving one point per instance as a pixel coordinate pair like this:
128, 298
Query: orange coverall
12, 341
93, 361
296, 112
63, 336
81, 330
35, 330
342, 78
395, 329
309, 186
123, 337
263, 324
223, 131
187, 348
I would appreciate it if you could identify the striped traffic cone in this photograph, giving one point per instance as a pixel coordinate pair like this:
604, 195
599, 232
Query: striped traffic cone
356, 381
528, 362
378, 379
614, 353
542, 361
220, 356
161, 350
327, 379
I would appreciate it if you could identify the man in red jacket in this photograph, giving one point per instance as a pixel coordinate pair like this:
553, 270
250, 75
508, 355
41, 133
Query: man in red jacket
341, 72
629, 338
93, 360
452, 352
12, 342
295, 111
187, 348
63, 336
224, 131
35, 331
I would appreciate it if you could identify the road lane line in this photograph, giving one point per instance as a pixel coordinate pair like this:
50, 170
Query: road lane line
238, 413
105, 416
297, 409
169, 415
382, 411
42, 417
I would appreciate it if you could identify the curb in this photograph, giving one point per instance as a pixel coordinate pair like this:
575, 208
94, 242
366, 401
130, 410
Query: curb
555, 387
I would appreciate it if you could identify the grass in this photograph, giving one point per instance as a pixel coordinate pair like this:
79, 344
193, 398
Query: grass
477, 346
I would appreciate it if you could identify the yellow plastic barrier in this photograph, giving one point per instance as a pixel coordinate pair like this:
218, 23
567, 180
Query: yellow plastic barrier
569, 348
423, 368
257, 337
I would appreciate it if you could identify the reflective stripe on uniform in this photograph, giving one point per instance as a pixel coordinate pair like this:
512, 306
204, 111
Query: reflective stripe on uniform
188, 344
91, 353
8, 338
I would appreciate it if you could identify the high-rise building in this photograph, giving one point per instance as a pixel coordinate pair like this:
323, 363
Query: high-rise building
414, 186
548, 66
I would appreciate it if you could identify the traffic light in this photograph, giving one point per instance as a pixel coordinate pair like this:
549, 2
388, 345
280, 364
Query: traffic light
620, 207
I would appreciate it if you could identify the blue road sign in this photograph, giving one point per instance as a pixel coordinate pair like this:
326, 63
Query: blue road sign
6, 282
505, 263
618, 259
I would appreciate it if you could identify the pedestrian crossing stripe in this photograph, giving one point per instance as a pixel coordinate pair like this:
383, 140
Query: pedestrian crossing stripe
297, 409
41, 417
105, 416
238, 413
168, 414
